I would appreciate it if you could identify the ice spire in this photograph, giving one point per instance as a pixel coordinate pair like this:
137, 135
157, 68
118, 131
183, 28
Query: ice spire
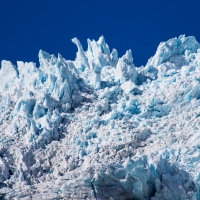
81, 59
125, 69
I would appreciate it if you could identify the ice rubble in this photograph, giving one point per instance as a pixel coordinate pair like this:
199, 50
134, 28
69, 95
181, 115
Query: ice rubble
101, 128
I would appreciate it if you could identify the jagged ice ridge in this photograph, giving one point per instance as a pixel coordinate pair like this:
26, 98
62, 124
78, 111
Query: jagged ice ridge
101, 128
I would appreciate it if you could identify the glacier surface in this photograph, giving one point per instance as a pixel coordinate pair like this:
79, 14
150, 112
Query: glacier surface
100, 128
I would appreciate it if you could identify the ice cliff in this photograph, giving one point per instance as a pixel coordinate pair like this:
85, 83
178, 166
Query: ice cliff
100, 128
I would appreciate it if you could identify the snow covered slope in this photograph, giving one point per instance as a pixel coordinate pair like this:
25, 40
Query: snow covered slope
101, 128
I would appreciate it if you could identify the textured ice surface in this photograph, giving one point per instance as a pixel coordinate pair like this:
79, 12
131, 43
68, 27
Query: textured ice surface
101, 128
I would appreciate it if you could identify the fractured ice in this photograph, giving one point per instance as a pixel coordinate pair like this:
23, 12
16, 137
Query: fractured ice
101, 128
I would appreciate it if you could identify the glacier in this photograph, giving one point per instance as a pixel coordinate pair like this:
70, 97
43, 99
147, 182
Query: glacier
101, 128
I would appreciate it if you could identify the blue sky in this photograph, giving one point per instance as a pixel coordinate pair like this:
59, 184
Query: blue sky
26, 26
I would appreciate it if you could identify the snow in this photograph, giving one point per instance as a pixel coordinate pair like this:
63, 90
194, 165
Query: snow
101, 128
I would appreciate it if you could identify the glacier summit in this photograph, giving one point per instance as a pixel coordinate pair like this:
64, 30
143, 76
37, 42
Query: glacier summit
100, 128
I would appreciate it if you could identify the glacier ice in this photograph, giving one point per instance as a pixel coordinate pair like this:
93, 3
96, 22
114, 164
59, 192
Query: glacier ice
100, 128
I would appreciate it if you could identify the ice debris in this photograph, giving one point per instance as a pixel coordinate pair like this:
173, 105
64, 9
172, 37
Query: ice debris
101, 128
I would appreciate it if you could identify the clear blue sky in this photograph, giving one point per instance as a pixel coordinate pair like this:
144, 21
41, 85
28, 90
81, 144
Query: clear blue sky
26, 26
